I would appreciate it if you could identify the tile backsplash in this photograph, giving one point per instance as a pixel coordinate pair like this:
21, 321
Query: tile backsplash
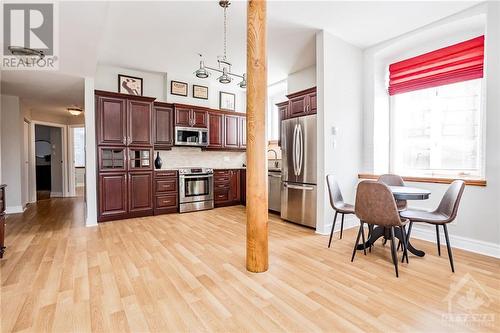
180, 157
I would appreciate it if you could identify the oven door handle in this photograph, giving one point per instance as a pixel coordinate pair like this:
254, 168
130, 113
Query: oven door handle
204, 175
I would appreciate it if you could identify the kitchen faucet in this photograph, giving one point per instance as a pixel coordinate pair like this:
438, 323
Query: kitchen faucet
276, 163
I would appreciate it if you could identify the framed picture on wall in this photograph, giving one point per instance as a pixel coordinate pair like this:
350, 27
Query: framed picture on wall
200, 92
178, 88
227, 101
129, 85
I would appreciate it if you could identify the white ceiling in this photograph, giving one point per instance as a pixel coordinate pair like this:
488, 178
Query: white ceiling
163, 36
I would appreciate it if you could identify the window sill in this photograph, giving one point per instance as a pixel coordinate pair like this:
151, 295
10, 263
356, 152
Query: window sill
434, 180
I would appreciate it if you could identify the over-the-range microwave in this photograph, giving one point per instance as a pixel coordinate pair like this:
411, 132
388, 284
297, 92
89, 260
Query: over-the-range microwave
191, 136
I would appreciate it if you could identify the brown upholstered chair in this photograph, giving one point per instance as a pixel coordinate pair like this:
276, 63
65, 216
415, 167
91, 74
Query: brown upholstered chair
338, 204
394, 180
445, 213
375, 205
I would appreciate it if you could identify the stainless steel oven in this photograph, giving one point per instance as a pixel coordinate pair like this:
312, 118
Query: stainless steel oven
196, 189
191, 136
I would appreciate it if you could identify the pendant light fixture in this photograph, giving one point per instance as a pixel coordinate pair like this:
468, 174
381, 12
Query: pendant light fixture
224, 65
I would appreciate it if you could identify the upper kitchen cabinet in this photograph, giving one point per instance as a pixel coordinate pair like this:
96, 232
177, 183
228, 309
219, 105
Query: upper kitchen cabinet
188, 116
301, 103
163, 126
282, 114
123, 119
139, 123
231, 133
243, 132
215, 130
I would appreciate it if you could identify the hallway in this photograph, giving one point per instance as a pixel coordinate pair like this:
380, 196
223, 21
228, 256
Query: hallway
185, 272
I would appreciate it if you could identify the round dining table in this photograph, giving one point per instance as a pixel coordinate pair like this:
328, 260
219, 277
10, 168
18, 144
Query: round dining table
399, 193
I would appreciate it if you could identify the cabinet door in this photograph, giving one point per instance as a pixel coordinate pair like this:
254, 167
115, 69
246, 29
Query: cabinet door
163, 121
199, 118
112, 159
312, 104
235, 186
297, 107
111, 121
243, 186
243, 132
283, 115
215, 130
231, 137
139, 123
140, 191
183, 117
140, 159
112, 194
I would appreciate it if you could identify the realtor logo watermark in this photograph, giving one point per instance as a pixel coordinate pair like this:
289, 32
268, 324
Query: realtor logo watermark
469, 304
30, 27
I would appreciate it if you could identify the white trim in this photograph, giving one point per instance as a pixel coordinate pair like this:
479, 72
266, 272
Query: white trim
459, 242
56, 195
90, 155
14, 209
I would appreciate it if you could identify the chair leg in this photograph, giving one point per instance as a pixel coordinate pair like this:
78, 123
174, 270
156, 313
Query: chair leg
393, 252
438, 240
333, 227
357, 242
405, 243
342, 226
409, 231
363, 235
370, 228
450, 255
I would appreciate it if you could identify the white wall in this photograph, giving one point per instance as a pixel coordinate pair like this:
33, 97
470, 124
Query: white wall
56, 169
11, 141
339, 76
90, 155
301, 80
156, 84
477, 227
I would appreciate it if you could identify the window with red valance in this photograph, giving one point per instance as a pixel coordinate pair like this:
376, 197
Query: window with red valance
460, 62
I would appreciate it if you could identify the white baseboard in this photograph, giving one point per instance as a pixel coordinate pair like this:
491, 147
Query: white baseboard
459, 242
56, 194
423, 233
14, 209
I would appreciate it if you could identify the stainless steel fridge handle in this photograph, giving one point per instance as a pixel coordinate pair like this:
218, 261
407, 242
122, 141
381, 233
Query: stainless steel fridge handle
294, 150
301, 150
297, 187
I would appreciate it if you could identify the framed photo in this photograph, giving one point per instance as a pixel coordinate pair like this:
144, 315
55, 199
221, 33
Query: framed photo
178, 88
226, 101
200, 92
129, 85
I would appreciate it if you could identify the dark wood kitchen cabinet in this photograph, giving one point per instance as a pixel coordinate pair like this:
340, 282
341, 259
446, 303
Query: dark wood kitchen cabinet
231, 135
282, 114
123, 119
163, 126
215, 130
301, 103
243, 186
113, 196
124, 133
242, 132
227, 187
166, 189
140, 193
189, 116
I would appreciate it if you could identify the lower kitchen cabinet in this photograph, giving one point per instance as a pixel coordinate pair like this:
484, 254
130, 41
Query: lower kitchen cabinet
140, 192
112, 196
227, 187
166, 192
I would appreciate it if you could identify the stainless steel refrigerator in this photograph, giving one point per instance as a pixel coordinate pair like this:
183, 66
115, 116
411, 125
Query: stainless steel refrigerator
298, 178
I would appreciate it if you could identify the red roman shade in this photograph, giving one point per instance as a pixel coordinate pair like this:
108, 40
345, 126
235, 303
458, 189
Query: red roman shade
460, 62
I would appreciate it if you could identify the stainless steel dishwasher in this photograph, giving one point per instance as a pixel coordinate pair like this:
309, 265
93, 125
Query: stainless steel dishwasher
274, 188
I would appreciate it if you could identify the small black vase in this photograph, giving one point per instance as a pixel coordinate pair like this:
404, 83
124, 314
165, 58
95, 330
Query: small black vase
158, 161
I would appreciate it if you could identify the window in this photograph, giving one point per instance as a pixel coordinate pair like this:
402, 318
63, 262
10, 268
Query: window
438, 131
79, 146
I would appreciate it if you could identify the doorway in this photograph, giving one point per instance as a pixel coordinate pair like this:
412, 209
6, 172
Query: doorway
48, 162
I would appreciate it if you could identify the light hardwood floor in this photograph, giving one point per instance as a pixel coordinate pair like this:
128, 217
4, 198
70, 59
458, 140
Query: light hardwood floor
176, 273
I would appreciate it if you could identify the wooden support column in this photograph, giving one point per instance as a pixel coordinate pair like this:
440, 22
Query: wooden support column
257, 215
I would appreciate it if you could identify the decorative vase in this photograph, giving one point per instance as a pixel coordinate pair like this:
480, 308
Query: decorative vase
158, 161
